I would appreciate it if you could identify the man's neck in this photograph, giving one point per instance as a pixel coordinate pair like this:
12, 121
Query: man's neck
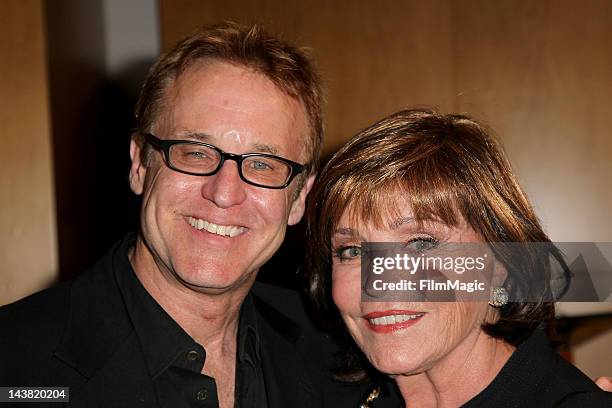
211, 319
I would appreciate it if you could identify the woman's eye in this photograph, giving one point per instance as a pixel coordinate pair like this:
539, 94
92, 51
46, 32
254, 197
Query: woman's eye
347, 253
422, 244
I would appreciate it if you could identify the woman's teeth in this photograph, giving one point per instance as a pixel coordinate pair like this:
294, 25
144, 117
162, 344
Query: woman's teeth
393, 319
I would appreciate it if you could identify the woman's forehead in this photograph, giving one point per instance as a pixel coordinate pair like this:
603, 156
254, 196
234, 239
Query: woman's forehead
381, 216
392, 208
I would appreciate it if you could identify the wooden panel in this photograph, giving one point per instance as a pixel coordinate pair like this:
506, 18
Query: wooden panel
28, 260
376, 57
540, 73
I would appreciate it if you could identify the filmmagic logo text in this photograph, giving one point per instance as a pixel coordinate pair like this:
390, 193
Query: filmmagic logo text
430, 285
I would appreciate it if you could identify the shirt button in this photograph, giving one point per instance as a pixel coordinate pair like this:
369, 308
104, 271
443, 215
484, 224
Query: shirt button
192, 355
202, 394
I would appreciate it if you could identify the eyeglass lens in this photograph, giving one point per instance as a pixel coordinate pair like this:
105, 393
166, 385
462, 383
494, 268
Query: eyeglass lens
199, 159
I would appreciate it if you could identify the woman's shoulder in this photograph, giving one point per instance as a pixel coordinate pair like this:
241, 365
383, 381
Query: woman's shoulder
560, 379
568, 387
590, 399
537, 376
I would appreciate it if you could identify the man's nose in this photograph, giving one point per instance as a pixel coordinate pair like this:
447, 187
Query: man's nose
225, 188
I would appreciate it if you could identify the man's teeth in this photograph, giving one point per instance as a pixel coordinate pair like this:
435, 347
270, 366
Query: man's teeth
393, 319
223, 230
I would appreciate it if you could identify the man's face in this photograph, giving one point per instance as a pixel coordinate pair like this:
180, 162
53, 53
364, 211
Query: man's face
239, 111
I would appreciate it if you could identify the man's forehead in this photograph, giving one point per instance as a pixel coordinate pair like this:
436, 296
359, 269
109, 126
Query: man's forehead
207, 88
225, 77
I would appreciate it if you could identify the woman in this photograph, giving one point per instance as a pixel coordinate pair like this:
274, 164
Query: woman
427, 180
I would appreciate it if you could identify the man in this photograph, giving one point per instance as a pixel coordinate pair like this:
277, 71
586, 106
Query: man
228, 134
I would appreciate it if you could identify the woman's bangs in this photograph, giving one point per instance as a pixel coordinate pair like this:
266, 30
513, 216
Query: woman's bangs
378, 200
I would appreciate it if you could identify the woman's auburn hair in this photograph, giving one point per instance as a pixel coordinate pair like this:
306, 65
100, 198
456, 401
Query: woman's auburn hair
447, 167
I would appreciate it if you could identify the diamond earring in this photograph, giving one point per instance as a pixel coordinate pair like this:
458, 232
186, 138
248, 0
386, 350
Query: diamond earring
499, 297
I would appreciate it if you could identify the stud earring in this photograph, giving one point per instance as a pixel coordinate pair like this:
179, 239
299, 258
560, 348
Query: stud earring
499, 297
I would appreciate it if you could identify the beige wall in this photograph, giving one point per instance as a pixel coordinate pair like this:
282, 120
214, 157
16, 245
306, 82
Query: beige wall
27, 219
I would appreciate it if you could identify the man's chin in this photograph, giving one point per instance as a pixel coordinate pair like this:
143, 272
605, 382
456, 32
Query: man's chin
217, 286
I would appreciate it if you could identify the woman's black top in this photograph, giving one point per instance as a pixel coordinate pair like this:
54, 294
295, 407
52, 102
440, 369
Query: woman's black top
534, 376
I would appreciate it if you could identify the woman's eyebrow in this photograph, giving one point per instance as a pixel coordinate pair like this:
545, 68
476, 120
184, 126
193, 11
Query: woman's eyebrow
401, 221
346, 231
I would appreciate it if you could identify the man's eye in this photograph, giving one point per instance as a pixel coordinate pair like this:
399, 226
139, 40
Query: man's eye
422, 244
260, 165
347, 253
197, 155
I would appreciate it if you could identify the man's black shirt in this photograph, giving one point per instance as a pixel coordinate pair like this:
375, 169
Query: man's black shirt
175, 361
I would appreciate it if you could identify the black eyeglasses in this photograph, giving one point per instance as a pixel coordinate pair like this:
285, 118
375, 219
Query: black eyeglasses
202, 159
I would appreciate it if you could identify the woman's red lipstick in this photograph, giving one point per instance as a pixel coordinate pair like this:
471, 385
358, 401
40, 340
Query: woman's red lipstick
389, 321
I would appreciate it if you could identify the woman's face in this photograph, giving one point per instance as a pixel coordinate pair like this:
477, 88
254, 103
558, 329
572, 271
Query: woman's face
434, 331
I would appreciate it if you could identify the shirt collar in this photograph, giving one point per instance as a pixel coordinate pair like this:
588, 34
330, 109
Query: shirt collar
161, 338
248, 331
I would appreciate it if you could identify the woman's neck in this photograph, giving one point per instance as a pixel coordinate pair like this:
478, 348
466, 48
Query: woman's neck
457, 377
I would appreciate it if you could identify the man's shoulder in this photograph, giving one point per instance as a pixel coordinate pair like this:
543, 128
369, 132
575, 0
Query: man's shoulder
286, 310
42, 310
49, 307
49, 303
32, 328
271, 291
289, 301
53, 335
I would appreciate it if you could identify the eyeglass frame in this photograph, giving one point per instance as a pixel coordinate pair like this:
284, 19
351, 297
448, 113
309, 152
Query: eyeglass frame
165, 145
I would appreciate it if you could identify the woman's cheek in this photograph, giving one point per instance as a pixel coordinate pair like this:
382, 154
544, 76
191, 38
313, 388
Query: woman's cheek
346, 290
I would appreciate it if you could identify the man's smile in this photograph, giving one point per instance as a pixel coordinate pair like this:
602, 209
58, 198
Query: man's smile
223, 230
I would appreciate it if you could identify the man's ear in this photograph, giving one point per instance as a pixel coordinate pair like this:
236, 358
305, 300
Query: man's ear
299, 204
138, 169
